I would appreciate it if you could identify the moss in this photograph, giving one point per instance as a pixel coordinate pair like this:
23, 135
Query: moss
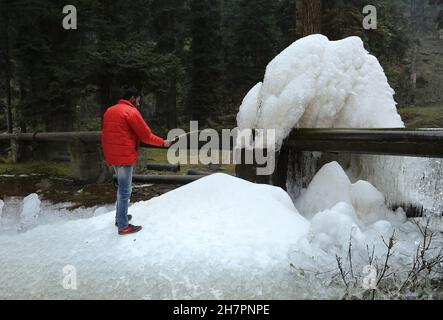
422, 117
40, 167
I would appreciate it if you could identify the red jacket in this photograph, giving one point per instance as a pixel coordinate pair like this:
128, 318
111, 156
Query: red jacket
123, 129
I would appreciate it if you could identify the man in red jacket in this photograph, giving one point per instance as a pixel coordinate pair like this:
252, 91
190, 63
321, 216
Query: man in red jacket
123, 129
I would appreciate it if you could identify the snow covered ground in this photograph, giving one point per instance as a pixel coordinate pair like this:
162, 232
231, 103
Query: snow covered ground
212, 238
217, 238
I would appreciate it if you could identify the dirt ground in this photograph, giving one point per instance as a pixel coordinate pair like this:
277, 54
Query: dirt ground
57, 190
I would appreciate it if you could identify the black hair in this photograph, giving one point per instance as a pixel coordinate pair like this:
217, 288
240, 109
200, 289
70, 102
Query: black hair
131, 92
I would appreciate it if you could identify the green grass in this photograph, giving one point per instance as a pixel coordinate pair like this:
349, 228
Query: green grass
64, 168
422, 117
160, 156
41, 167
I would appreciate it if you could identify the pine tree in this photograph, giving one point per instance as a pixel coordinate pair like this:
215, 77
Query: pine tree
5, 54
203, 101
311, 17
251, 41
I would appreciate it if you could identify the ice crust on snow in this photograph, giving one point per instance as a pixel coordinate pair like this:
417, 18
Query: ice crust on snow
2, 204
317, 83
194, 239
217, 238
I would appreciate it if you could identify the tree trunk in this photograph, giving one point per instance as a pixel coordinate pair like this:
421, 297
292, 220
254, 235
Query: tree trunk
105, 95
7, 60
172, 102
311, 17
417, 16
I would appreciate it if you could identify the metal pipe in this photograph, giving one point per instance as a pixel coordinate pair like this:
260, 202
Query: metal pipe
163, 167
192, 172
401, 142
86, 136
165, 179
404, 142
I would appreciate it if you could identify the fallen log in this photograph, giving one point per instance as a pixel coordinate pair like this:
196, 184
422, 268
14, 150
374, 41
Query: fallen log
165, 179
163, 167
192, 172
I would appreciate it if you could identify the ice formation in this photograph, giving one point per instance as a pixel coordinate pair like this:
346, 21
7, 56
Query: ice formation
331, 185
217, 238
48, 214
30, 211
219, 234
2, 204
317, 83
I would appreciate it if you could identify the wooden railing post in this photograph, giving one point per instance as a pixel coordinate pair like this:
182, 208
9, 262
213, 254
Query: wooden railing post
15, 146
87, 162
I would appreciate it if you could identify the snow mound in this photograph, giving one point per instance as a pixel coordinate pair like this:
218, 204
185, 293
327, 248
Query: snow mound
331, 186
212, 237
317, 83
348, 222
217, 238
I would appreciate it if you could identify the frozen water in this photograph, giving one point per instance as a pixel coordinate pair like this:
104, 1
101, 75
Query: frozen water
344, 213
2, 204
322, 194
247, 118
403, 180
217, 238
317, 83
30, 211
331, 185
50, 213
224, 238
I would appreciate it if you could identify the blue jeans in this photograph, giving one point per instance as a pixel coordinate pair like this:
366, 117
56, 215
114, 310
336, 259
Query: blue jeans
124, 180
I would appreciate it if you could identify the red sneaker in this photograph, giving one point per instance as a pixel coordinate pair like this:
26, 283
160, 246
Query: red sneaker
129, 229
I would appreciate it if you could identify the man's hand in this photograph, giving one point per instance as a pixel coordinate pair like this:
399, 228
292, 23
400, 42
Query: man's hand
167, 143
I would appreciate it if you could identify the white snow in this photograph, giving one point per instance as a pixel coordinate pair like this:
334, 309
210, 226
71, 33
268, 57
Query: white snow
30, 211
317, 83
2, 204
322, 194
217, 238
49, 213
221, 233
225, 238
403, 180
331, 185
